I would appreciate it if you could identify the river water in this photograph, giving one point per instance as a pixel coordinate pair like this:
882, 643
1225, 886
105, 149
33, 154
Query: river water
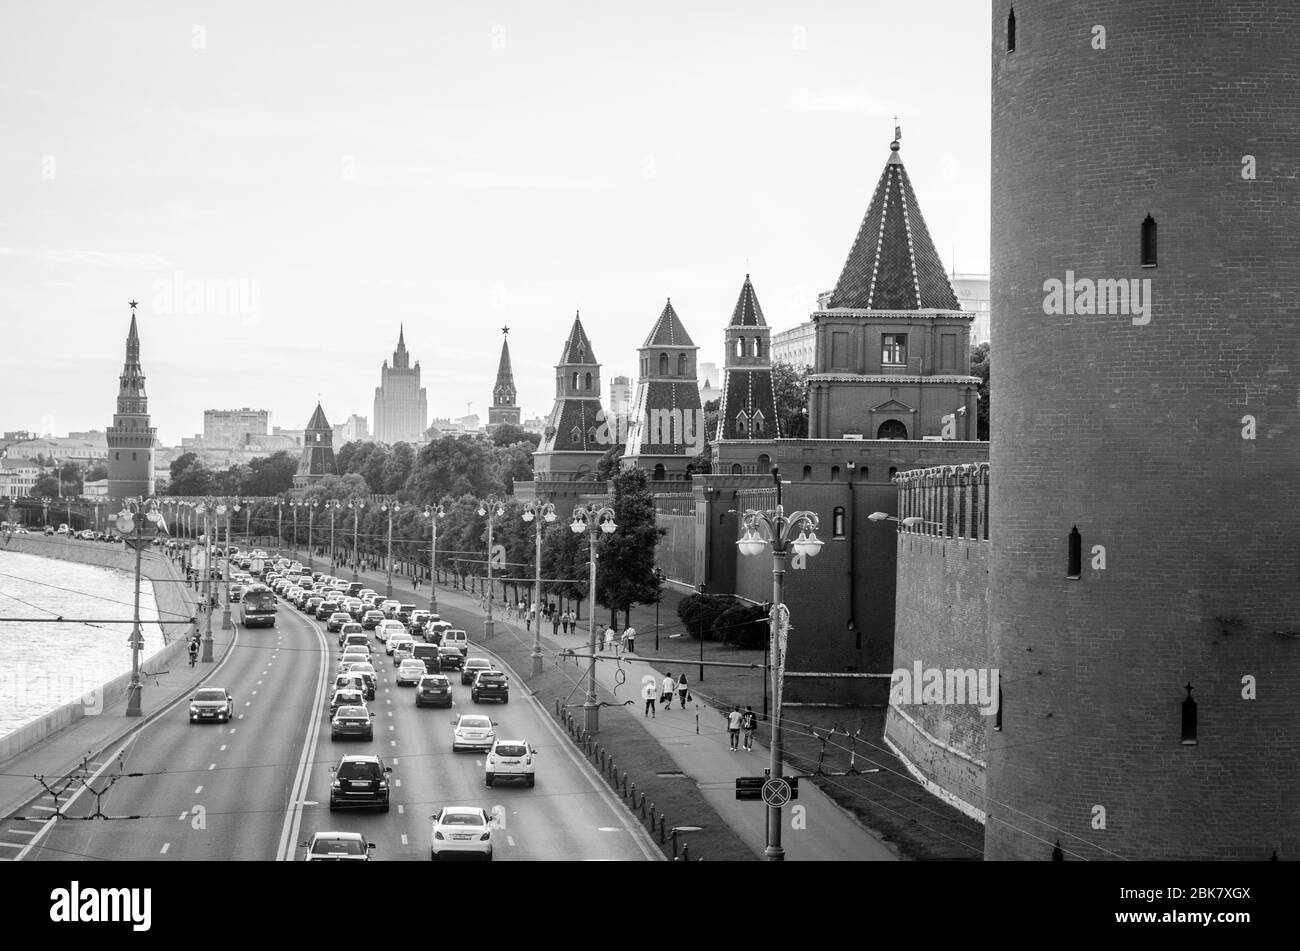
45, 665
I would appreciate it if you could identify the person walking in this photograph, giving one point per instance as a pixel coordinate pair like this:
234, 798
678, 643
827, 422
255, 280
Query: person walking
748, 724
669, 688
734, 719
530, 618
609, 638
629, 640
555, 623
683, 690
648, 693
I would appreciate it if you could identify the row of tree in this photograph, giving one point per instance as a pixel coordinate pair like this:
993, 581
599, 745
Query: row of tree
66, 480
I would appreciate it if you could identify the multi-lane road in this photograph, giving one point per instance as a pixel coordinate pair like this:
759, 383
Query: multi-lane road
254, 789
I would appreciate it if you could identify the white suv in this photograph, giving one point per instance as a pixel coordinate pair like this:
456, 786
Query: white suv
510, 759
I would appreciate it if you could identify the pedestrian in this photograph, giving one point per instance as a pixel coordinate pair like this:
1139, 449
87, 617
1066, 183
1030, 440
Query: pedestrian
629, 640
564, 621
669, 688
648, 693
683, 690
748, 724
734, 719
555, 623
609, 638
530, 618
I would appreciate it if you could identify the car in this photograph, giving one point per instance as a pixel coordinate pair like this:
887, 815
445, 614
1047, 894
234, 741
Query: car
404, 613
472, 731
352, 721
395, 638
49, 529
472, 666
409, 674
389, 607
355, 588
360, 780
337, 847
450, 657
350, 681
351, 627
428, 653
354, 653
389, 629
236, 592
326, 608
490, 685
510, 759
433, 690
367, 593
456, 638
312, 603
371, 620
356, 639
434, 629
211, 703
416, 624
336, 621
346, 697
369, 679
355, 608
460, 830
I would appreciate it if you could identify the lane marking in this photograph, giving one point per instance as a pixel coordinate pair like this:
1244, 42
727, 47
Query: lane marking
390, 743
293, 815
197, 790
212, 766
47, 808
404, 842
13, 845
510, 841
223, 748
23, 831
181, 817
241, 716
401, 810
163, 850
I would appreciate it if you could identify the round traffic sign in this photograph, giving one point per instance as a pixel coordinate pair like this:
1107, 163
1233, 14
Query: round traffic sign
776, 792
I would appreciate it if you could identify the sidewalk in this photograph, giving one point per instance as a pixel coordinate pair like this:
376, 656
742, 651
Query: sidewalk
695, 738
94, 737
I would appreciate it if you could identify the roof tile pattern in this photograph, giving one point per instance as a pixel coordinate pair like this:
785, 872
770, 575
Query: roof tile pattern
747, 312
668, 330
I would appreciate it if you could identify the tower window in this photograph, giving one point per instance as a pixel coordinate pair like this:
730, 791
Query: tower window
1075, 568
576, 435
807, 473
835, 473
756, 423
659, 472
117, 457
740, 346
893, 350
837, 522
1149, 242
1011, 31
893, 471
681, 364
1189, 718
587, 382
741, 421
575, 379
764, 462
663, 364
862, 473
133, 457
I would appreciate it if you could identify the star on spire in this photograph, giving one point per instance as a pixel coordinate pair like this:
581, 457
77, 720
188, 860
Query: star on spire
133, 304
505, 330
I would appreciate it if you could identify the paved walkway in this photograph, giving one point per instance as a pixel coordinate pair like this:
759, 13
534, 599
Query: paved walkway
93, 737
696, 739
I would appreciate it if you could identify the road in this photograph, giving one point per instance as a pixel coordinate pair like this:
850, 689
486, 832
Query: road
256, 788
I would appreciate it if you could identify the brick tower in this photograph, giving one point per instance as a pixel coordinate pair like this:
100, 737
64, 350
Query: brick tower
131, 439
1145, 516
317, 459
666, 431
577, 433
747, 422
504, 408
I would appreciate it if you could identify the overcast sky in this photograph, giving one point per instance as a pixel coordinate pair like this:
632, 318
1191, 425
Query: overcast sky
345, 167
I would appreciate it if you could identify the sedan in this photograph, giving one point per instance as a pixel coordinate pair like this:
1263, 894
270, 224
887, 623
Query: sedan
371, 621
337, 847
461, 830
352, 721
472, 732
450, 658
387, 630
510, 759
212, 703
472, 666
433, 690
410, 673
336, 621
346, 698
312, 604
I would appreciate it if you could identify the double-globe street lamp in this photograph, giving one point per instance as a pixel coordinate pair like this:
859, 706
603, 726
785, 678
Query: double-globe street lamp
391, 508
137, 524
207, 508
229, 511
355, 506
592, 520
492, 509
775, 529
433, 513
539, 513
332, 505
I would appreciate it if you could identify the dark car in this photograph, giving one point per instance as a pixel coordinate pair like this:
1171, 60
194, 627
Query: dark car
311, 604
431, 656
355, 588
359, 780
352, 721
327, 608
371, 619
449, 658
433, 690
404, 613
471, 668
490, 685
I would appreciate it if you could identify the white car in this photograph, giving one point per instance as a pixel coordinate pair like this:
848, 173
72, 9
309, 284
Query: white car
389, 608
510, 759
455, 638
462, 830
337, 847
409, 674
355, 652
387, 630
472, 732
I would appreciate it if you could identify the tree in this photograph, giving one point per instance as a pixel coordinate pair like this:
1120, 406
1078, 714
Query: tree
46, 486
744, 625
979, 366
627, 556
513, 463
97, 473
507, 434
270, 475
397, 468
190, 476
790, 389
609, 466
456, 466
564, 560
699, 613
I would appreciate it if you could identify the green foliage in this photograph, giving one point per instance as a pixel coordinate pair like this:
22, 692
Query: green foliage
455, 465
508, 434
564, 557
979, 366
514, 463
97, 472
270, 475
609, 463
699, 613
46, 486
627, 556
743, 625
790, 389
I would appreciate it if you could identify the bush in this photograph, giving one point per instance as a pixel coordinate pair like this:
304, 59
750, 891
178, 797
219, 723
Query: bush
743, 625
700, 612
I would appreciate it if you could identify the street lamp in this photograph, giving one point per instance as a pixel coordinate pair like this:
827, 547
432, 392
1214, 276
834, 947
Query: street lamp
699, 632
774, 529
433, 513
279, 522
492, 509
225, 510
333, 505
311, 517
355, 505
538, 512
591, 520
205, 508
391, 508
137, 524
912, 521
294, 505
659, 595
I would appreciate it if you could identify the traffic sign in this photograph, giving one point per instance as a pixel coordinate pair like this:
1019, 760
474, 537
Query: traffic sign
777, 792
765, 789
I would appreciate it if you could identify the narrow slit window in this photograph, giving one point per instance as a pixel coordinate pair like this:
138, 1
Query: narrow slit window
807, 473
1149, 242
1011, 31
1189, 718
663, 364
837, 522
681, 364
997, 716
1075, 567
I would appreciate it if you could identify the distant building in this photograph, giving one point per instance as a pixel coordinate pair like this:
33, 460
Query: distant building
535, 424
795, 346
577, 433
63, 449
317, 459
227, 427
504, 409
357, 428
297, 435
18, 477
710, 382
17, 435
401, 404
972, 292
131, 439
97, 489
470, 424
620, 395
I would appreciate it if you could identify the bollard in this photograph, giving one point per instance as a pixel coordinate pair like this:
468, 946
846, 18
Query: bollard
602, 759
686, 852
663, 825
652, 816
643, 805
625, 785
674, 844
557, 708
613, 770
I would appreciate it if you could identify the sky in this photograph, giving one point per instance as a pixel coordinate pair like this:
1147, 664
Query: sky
280, 186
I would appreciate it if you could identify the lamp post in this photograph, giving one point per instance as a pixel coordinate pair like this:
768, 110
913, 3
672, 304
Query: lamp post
294, 505
700, 633
592, 520
774, 528
131, 524
433, 513
538, 512
279, 522
355, 505
248, 522
311, 517
659, 582
225, 510
391, 508
333, 506
493, 509
205, 508
912, 521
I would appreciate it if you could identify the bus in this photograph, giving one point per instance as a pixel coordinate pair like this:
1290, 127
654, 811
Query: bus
257, 609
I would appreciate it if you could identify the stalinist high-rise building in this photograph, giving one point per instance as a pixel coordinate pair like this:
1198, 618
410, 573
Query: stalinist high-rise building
401, 404
131, 438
